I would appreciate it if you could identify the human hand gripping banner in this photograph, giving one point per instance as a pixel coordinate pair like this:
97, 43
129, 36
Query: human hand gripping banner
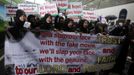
56, 52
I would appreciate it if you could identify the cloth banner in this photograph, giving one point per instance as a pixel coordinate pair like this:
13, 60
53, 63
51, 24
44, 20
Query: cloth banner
56, 52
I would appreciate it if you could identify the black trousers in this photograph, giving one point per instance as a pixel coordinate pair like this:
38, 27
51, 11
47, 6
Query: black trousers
131, 69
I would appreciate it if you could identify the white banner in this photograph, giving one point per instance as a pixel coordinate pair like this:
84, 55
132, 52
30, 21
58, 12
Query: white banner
89, 15
62, 4
65, 52
75, 5
11, 10
48, 8
28, 8
75, 9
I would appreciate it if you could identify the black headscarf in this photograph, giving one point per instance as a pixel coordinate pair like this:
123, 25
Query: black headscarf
18, 31
66, 28
81, 28
18, 23
32, 20
44, 24
58, 24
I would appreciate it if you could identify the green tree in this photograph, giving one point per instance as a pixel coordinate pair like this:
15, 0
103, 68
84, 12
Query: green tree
18, 1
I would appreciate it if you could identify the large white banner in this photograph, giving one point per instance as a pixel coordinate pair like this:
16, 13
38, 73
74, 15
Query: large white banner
28, 8
75, 9
48, 8
55, 52
61, 4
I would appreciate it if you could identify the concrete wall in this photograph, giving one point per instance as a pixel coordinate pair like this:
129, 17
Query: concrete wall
116, 10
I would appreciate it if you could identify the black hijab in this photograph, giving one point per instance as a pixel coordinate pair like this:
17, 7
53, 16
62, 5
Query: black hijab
44, 24
18, 23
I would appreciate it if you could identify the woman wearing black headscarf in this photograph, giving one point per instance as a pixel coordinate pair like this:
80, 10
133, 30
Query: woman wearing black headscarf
18, 30
59, 23
68, 26
84, 26
32, 20
46, 22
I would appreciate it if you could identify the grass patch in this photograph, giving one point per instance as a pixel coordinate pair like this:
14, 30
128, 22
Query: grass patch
2, 25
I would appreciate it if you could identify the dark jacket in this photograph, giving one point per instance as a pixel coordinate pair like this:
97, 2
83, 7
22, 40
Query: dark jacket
17, 31
58, 24
117, 31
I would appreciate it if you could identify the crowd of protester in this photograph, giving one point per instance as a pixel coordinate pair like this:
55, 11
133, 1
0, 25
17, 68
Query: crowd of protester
62, 23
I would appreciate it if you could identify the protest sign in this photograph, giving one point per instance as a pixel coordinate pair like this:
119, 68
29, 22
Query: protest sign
28, 8
75, 9
65, 52
61, 4
89, 15
11, 10
48, 8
